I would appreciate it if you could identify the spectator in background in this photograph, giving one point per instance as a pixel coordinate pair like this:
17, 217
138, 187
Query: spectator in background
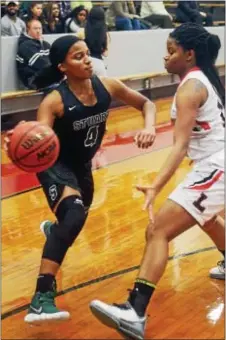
87, 4
35, 11
3, 9
11, 24
155, 13
32, 54
24, 7
122, 15
96, 38
54, 23
65, 8
76, 20
188, 11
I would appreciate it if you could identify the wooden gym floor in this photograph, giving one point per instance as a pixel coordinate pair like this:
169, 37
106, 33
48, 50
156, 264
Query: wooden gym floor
104, 260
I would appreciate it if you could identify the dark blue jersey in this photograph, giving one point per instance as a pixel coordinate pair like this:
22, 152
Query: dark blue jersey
81, 128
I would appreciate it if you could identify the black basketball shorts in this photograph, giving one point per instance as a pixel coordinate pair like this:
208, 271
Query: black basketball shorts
55, 179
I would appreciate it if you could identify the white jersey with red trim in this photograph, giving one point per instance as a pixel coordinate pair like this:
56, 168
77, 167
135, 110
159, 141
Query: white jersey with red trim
207, 139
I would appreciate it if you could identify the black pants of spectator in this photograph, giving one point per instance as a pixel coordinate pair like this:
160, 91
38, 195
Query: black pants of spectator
198, 19
162, 21
208, 20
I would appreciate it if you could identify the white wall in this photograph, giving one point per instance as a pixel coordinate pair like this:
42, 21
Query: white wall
143, 51
130, 53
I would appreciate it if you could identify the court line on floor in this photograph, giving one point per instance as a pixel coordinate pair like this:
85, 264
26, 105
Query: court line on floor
103, 278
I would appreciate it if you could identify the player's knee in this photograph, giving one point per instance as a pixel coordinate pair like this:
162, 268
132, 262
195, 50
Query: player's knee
71, 218
153, 231
149, 232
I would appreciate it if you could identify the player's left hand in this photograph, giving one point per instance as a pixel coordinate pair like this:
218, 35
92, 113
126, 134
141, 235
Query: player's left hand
145, 138
150, 195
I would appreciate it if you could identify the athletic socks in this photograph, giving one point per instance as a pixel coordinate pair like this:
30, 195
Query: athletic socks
45, 283
140, 295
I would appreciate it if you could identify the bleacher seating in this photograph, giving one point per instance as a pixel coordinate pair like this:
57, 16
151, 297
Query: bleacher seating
216, 8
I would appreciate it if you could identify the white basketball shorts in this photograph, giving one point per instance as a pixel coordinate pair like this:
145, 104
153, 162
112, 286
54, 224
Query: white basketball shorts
201, 194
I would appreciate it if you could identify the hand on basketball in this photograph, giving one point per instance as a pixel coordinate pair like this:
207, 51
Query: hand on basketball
8, 136
150, 195
145, 138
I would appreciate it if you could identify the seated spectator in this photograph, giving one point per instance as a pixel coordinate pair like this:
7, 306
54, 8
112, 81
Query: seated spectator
54, 23
122, 15
32, 54
11, 24
76, 20
96, 38
155, 13
34, 11
188, 11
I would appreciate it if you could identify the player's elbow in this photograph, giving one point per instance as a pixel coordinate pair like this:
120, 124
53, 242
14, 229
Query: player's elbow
152, 105
148, 104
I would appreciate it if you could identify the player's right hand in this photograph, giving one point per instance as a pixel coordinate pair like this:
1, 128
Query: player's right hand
150, 195
8, 136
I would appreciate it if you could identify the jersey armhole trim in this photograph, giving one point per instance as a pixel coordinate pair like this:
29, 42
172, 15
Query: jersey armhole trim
57, 89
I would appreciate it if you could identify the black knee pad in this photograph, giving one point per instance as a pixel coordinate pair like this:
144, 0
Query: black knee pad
71, 218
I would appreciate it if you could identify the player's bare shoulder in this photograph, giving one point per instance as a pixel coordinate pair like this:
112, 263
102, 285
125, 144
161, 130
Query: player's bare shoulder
193, 89
54, 102
111, 84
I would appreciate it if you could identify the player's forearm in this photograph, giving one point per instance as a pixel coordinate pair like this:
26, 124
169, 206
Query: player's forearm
169, 167
149, 113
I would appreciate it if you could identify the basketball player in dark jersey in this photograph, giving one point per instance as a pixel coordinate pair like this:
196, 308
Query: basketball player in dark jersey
77, 111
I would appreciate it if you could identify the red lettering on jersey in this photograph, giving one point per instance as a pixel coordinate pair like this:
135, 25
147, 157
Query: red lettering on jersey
204, 125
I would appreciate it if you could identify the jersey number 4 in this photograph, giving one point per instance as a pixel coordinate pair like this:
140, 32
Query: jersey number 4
91, 136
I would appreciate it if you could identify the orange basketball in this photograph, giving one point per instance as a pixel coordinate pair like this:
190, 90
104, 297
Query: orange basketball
33, 147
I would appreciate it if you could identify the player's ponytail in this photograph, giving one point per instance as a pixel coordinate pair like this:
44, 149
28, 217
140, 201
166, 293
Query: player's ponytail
58, 52
206, 46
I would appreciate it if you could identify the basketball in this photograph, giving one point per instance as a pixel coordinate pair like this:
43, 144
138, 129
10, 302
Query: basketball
33, 147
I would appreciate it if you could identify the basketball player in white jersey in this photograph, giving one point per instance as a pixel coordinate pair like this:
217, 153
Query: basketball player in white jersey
198, 111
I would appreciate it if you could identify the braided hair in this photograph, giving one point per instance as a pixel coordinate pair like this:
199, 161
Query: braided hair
96, 31
206, 46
